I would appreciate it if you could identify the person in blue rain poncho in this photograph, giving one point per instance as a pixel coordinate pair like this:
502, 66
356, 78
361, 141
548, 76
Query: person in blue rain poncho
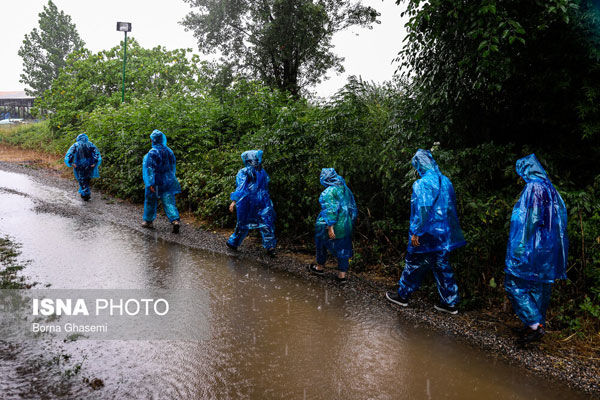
159, 170
85, 159
333, 229
434, 232
537, 249
253, 203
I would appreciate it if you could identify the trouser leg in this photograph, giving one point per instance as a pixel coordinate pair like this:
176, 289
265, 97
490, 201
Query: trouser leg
444, 279
170, 206
269, 241
416, 265
343, 264
238, 235
541, 297
150, 202
321, 251
522, 295
84, 187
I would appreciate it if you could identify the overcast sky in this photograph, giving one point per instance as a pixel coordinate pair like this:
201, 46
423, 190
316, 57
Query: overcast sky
155, 22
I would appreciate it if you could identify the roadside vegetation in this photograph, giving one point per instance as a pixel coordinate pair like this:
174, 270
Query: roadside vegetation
490, 83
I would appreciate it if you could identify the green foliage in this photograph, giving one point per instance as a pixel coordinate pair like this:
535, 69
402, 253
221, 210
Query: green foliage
89, 81
285, 43
44, 51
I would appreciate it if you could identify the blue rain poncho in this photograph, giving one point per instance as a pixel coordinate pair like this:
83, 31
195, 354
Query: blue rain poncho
84, 154
538, 245
433, 216
253, 203
159, 168
338, 209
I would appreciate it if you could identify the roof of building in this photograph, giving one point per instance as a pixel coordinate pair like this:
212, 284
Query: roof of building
19, 94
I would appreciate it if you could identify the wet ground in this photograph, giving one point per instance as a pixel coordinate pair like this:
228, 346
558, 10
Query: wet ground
271, 333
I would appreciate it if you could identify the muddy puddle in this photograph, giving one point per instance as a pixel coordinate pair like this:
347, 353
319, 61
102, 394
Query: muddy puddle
271, 335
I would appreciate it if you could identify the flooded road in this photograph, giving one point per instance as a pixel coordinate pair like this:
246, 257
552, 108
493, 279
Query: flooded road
271, 335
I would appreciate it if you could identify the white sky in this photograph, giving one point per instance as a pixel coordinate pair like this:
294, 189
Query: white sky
155, 22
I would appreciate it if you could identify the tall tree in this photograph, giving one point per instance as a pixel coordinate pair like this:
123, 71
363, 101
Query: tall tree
285, 43
44, 50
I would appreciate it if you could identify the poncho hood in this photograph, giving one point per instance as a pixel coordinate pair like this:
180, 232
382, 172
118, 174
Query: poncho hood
423, 162
158, 138
530, 169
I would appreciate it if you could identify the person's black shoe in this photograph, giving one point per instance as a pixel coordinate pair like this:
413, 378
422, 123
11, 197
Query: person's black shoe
520, 331
272, 252
85, 197
531, 335
175, 226
395, 298
313, 268
231, 247
147, 224
446, 309
341, 281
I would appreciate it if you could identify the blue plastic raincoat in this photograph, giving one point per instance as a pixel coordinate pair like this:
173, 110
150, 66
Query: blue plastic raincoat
158, 170
338, 209
253, 202
538, 244
433, 216
84, 154
434, 220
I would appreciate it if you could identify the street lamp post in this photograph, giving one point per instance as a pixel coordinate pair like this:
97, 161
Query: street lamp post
124, 27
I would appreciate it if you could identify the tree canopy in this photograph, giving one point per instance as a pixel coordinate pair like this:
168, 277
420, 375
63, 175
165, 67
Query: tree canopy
44, 50
285, 43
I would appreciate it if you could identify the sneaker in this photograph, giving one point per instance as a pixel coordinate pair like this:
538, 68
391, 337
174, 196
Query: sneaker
147, 225
446, 309
231, 247
313, 268
531, 335
175, 226
341, 280
395, 298
272, 252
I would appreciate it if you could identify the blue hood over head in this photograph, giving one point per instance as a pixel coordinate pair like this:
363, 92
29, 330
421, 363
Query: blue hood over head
530, 169
82, 137
158, 138
423, 162
252, 158
331, 178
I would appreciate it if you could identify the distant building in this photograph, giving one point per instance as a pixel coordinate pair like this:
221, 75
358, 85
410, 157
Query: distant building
15, 105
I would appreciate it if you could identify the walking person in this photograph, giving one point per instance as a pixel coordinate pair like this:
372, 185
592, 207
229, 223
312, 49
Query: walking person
253, 203
333, 229
434, 232
537, 249
158, 168
85, 159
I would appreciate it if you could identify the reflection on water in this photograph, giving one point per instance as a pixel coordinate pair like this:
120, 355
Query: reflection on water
271, 335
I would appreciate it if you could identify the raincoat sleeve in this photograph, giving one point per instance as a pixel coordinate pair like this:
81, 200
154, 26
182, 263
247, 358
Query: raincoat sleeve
148, 171
352, 207
527, 219
330, 205
421, 202
241, 181
70, 155
97, 161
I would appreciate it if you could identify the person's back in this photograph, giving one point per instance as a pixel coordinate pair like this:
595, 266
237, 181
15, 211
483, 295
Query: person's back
537, 250
159, 173
433, 209
434, 231
253, 203
85, 159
